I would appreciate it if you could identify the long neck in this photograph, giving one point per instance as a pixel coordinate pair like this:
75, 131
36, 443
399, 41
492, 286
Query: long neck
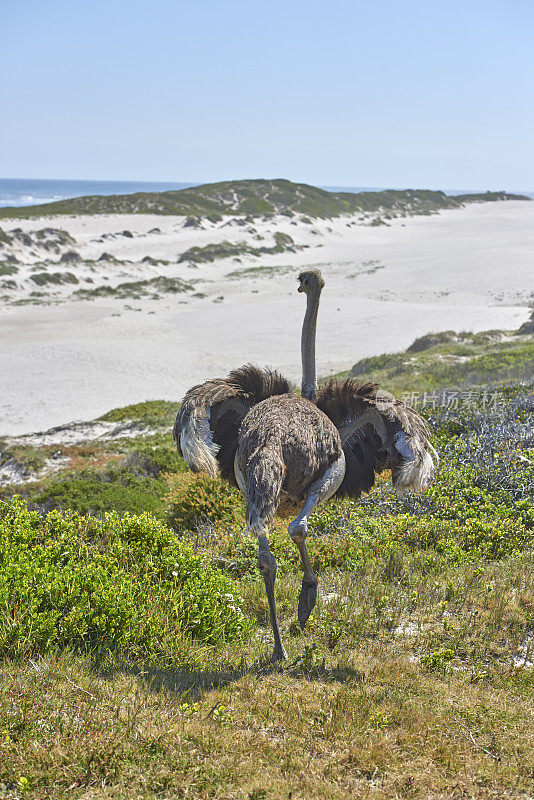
307, 347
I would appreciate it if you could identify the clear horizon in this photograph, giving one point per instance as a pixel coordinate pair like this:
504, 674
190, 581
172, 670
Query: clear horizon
328, 187
415, 94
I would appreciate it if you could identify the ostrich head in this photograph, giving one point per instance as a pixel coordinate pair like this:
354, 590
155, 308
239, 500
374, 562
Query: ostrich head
311, 282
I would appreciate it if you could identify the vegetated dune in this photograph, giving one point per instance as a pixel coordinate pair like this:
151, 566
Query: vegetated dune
257, 197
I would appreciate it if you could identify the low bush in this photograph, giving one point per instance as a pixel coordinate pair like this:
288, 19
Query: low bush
97, 493
4, 237
155, 459
195, 500
150, 412
86, 584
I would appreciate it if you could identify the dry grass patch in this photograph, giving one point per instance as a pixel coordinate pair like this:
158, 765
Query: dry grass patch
367, 724
356, 711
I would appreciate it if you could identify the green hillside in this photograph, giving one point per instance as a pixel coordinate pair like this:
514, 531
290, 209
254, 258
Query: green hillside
253, 197
449, 360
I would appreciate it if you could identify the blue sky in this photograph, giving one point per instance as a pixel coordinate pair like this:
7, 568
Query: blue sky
426, 93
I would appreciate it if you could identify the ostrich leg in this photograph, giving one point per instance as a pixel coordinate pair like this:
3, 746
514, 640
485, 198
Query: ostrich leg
257, 525
321, 490
267, 567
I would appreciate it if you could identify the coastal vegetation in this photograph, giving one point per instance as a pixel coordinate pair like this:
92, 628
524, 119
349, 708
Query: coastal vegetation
7, 269
257, 198
209, 253
464, 360
4, 238
260, 272
135, 647
42, 278
151, 287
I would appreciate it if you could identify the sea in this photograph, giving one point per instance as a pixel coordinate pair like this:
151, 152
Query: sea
34, 191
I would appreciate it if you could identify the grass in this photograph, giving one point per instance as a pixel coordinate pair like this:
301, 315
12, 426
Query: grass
368, 267
413, 678
473, 360
125, 475
4, 237
366, 724
27, 456
152, 288
97, 492
256, 198
212, 252
259, 272
58, 278
353, 712
154, 413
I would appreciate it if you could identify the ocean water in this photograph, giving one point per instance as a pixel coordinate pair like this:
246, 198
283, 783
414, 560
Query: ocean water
30, 191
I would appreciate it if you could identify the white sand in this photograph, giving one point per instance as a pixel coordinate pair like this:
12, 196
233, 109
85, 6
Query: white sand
465, 269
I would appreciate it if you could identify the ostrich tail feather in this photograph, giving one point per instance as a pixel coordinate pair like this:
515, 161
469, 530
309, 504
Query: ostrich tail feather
196, 443
207, 425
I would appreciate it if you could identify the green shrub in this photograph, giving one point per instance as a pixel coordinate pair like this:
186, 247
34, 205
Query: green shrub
199, 499
29, 457
456, 495
159, 458
150, 412
43, 278
97, 493
127, 584
4, 238
436, 361
351, 542
438, 660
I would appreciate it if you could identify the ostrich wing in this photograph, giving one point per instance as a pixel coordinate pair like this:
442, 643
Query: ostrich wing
377, 433
207, 425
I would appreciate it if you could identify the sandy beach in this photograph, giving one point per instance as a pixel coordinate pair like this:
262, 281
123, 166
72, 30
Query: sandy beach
67, 356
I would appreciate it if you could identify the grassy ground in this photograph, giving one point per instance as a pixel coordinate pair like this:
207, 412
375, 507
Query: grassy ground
382, 709
413, 679
362, 721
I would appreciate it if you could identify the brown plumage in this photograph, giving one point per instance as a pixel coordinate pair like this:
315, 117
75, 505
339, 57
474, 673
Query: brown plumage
285, 445
393, 436
213, 411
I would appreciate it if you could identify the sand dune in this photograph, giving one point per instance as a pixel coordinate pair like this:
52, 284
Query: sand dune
65, 358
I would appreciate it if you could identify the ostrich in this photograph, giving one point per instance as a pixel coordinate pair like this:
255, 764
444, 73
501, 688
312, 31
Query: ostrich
288, 453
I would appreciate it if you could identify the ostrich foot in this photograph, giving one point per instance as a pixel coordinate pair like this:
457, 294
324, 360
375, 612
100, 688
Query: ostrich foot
279, 653
307, 600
